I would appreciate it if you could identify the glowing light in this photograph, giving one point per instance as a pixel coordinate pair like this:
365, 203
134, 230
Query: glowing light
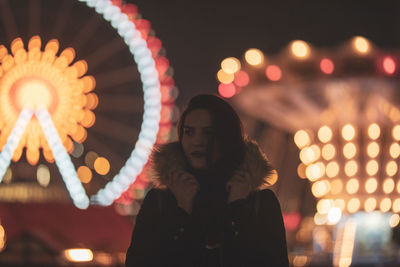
242, 79
353, 205
315, 171
226, 90
78, 150
370, 204
43, 175
320, 219
325, 134
300, 261
389, 66
327, 66
374, 131
230, 65
361, 45
324, 205
391, 168
273, 72
84, 174
332, 169
320, 188
79, 255
102, 166
385, 205
224, 77
371, 185
41, 79
394, 150
352, 186
336, 186
339, 203
349, 150
301, 138
328, 151
394, 220
396, 132
63, 161
334, 215
348, 132
254, 56
372, 167
273, 178
13, 140
300, 49
301, 170
388, 186
351, 168
396, 205
310, 154
373, 149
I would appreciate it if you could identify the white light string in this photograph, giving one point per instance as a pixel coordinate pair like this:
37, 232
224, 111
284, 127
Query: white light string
13, 140
152, 101
63, 161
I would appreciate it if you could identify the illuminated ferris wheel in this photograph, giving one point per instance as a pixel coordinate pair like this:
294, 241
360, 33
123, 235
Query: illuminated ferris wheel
85, 92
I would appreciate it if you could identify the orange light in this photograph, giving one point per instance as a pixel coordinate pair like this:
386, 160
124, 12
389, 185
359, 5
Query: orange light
353, 205
370, 185
301, 138
84, 174
102, 166
352, 186
370, 204
389, 66
225, 77
336, 186
273, 73
241, 78
361, 45
79, 255
326, 66
226, 90
388, 186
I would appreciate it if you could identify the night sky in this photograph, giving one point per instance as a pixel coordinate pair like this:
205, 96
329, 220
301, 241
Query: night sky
197, 35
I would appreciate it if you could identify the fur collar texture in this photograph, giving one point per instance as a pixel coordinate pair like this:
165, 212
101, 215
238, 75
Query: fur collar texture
168, 158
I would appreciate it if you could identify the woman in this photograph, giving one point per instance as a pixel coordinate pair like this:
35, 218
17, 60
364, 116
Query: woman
208, 208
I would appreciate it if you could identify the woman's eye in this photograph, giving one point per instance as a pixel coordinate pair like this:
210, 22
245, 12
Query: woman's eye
188, 131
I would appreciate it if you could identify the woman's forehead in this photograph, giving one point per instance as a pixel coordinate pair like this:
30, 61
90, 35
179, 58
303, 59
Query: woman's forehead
198, 118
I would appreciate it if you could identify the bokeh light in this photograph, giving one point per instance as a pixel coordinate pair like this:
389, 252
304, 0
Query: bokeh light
43, 175
301, 139
273, 72
102, 166
389, 65
327, 66
227, 90
348, 132
230, 65
84, 174
300, 49
242, 79
324, 134
361, 45
374, 131
225, 77
254, 57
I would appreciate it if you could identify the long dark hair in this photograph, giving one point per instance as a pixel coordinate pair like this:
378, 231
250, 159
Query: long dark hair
227, 127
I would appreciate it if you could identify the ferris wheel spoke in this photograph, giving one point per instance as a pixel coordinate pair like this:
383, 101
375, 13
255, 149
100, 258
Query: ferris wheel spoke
10, 26
85, 33
108, 127
120, 103
13, 140
105, 52
63, 161
109, 80
34, 17
62, 18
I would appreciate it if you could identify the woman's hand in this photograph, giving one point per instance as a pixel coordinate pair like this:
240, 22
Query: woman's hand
184, 186
239, 186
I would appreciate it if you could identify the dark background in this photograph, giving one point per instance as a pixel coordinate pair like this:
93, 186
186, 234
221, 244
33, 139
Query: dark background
197, 35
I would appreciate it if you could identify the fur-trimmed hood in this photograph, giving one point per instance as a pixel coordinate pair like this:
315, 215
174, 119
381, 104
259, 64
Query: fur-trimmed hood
168, 158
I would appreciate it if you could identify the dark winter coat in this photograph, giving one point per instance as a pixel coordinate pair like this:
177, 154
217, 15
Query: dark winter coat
246, 232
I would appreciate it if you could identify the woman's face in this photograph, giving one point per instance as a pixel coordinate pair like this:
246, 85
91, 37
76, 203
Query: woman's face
198, 139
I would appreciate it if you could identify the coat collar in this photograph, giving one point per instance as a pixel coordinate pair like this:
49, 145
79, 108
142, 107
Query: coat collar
168, 158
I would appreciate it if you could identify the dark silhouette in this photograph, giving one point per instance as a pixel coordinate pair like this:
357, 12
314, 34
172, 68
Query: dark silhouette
209, 207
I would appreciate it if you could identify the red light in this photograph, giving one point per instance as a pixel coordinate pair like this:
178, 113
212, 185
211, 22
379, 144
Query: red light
326, 66
241, 78
291, 220
227, 90
389, 66
273, 73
